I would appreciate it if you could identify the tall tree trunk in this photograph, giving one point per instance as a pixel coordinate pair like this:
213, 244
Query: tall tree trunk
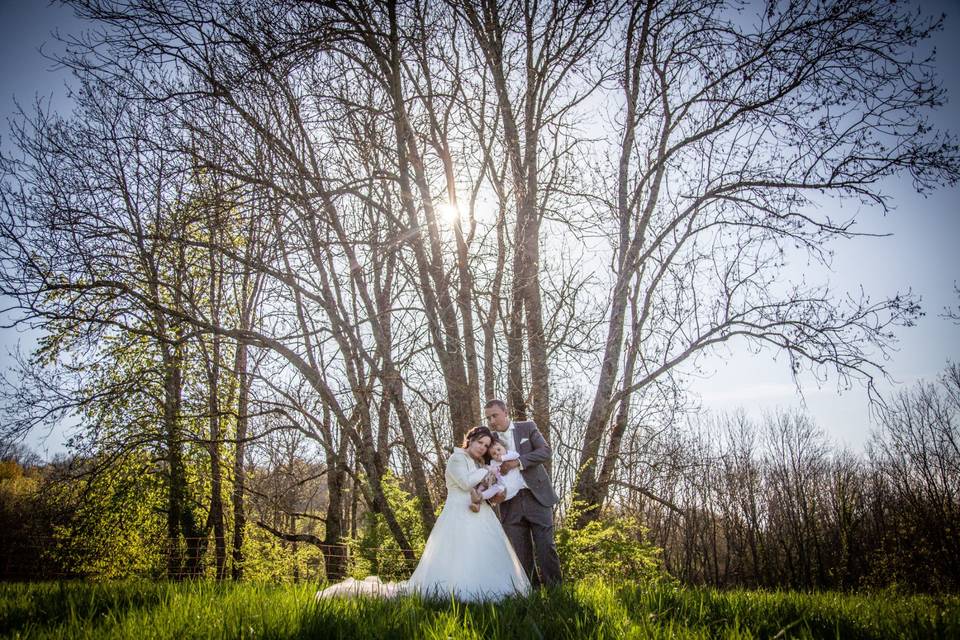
294, 547
526, 303
536, 339
216, 519
441, 307
176, 482
494, 312
216, 473
249, 294
180, 516
616, 434
587, 489
334, 551
516, 392
239, 470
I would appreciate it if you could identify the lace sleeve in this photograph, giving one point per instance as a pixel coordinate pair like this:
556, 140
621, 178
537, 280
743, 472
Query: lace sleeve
464, 474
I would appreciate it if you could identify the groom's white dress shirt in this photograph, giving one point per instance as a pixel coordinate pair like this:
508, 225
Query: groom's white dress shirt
507, 437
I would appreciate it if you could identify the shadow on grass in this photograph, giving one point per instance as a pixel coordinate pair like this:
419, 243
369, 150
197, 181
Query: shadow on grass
769, 614
40, 609
47, 605
589, 609
547, 614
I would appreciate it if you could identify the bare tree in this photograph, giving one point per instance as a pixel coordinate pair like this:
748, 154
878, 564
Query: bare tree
731, 129
399, 209
85, 252
534, 54
953, 313
916, 454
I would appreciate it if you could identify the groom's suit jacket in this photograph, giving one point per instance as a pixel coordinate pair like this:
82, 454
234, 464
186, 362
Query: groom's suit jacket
534, 451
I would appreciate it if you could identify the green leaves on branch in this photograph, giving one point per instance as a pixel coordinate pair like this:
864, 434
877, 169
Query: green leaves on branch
610, 546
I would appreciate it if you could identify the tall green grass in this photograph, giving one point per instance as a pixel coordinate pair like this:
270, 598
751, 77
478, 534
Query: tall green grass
584, 610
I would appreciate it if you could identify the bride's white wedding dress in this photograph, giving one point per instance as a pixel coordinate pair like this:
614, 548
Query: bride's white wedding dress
467, 555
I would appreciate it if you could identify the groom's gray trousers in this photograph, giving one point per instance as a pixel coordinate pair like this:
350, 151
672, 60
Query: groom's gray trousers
529, 527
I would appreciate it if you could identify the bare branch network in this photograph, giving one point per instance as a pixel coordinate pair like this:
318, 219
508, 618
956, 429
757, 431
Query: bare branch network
359, 220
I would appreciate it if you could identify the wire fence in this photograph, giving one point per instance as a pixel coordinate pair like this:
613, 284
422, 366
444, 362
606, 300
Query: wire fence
52, 558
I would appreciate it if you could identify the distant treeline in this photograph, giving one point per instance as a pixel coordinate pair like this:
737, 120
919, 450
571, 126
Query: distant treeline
776, 505
277, 256
726, 502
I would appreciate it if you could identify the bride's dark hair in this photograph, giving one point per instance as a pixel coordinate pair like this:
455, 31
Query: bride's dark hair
479, 432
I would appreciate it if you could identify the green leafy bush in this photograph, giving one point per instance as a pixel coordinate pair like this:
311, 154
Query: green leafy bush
611, 547
375, 551
115, 527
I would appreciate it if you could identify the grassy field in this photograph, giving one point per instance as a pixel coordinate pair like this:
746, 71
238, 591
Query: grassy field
586, 610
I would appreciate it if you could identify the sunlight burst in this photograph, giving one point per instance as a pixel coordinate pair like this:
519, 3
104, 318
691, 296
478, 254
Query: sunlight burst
449, 213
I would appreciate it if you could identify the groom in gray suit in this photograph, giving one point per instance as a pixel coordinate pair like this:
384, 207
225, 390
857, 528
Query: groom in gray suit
527, 518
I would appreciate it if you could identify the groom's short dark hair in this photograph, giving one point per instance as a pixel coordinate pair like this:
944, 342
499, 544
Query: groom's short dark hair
496, 402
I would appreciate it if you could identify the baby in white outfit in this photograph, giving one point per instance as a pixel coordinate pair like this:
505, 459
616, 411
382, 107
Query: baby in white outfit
508, 483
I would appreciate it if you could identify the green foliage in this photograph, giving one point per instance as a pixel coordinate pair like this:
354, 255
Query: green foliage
116, 524
15, 485
589, 609
611, 547
270, 559
375, 551
10, 470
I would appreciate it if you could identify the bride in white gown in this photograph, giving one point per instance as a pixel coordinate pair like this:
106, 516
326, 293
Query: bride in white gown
467, 555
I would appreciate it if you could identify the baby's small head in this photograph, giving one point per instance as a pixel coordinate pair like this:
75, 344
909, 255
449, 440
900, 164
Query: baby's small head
496, 450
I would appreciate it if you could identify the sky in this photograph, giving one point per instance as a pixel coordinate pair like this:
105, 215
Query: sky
919, 251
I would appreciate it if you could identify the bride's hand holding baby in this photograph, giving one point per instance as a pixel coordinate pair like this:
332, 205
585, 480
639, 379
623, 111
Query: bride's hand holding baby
509, 465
